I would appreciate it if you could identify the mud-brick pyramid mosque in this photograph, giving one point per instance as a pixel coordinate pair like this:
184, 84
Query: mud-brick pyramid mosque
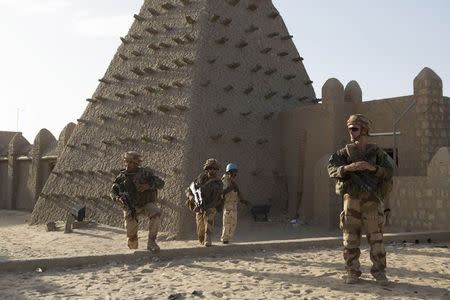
192, 79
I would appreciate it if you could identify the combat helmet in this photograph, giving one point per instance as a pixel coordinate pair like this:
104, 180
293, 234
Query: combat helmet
231, 167
132, 156
361, 121
211, 163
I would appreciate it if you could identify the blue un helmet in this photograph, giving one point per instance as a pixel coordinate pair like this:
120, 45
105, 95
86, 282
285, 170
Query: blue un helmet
231, 167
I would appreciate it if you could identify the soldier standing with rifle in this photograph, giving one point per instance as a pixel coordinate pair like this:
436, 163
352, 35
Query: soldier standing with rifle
204, 195
136, 189
364, 176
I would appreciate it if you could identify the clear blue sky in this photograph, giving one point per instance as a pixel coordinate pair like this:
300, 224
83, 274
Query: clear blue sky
53, 51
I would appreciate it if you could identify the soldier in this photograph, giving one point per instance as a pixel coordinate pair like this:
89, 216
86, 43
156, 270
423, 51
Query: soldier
231, 196
208, 187
361, 170
136, 189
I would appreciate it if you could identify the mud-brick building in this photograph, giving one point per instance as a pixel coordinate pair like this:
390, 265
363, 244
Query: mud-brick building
195, 79
25, 167
191, 80
422, 125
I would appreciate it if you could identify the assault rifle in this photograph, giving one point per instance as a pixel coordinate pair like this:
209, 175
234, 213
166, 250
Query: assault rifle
198, 199
365, 182
127, 201
369, 185
361, 178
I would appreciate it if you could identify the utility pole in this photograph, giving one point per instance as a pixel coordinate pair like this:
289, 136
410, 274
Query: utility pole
17, 120
18, 109
411, 105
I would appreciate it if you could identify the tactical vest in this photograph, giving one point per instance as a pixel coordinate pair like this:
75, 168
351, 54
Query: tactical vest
128, 183
371, 153
211, 190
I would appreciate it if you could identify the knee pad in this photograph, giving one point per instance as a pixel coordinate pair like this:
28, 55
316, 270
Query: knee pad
351, 240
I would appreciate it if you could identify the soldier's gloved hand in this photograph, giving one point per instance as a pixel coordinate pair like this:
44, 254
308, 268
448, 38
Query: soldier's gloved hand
351, 167
121, 199
359, 166
142, 187
387, 213
364, 165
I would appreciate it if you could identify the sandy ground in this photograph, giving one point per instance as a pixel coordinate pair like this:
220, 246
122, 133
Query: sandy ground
19, 240
416, 271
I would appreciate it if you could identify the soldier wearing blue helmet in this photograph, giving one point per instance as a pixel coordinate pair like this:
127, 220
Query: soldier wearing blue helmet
232, 196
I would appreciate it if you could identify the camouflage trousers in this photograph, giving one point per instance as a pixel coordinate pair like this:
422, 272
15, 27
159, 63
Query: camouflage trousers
363, 215
229, 224
205, 225
150, 210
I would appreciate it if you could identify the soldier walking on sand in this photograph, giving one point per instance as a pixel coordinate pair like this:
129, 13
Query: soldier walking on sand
231, 197
204, 195
135, 188
362, 171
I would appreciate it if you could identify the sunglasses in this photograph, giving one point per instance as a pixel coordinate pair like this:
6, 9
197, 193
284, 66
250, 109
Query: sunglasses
353, 129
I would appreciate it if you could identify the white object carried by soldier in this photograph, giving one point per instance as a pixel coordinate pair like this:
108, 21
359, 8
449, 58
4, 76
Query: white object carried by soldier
198, 199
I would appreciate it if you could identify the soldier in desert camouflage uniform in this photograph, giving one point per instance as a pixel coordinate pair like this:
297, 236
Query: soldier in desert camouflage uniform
231, 197
211, 191
363, 209
139, 186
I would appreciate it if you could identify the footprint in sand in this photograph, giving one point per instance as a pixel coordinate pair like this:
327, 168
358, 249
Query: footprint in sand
217, 294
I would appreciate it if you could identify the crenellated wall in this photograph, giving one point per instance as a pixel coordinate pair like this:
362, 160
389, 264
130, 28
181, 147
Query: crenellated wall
423, 130
422, 202
24, 168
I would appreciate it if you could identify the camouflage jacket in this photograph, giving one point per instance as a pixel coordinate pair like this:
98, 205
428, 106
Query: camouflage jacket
231, 194
351, 153
229, 184
128, 182
211, 188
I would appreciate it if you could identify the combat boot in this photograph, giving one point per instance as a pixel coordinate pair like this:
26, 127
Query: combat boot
153, 246
133, 243
208, 242
381, 279
152, 233
351, 278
